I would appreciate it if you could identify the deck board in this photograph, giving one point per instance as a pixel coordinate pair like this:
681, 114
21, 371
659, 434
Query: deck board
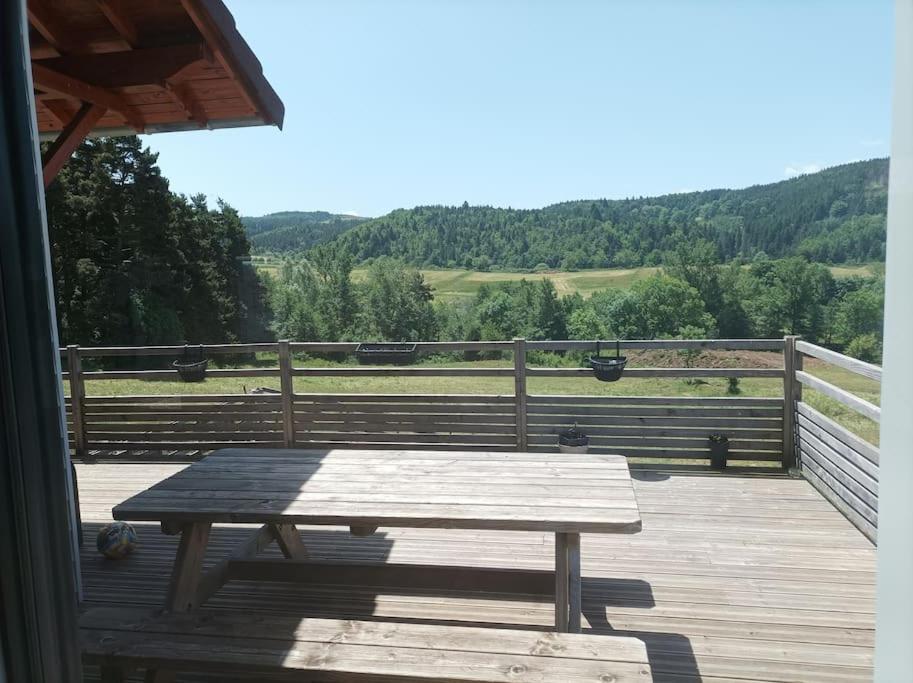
731, 579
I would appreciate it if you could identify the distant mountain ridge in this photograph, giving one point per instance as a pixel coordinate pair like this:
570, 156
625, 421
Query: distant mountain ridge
296, 230
835, 215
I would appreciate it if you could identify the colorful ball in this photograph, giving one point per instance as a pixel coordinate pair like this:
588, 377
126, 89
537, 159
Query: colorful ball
116, 540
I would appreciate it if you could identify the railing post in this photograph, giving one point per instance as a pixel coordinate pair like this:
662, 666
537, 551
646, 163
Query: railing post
287, 385
792, 394
77, 401
520, 391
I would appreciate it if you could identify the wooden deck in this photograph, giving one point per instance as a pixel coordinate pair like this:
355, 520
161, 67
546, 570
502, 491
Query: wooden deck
732, 579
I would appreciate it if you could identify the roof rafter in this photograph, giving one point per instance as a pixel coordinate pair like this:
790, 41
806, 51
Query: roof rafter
214, 22
116, 15
53, 81
129, 67
180, 93
48, 24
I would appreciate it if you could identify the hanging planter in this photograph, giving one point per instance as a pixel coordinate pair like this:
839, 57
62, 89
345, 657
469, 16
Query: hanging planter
385, 353
573, 441
191, 366
719, 451
608, 368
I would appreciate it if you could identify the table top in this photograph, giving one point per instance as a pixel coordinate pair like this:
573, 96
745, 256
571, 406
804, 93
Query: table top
398, 488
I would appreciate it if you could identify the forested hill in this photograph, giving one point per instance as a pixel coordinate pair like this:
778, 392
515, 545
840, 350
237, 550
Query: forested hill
836, 215
295, 230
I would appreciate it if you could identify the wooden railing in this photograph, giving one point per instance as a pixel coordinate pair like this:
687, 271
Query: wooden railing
649, 429
840, 464
655, 428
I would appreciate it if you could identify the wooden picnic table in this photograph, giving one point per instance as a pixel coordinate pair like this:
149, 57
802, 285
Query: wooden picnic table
564, 494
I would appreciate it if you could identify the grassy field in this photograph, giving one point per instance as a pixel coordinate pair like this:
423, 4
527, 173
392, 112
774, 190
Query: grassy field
454, 284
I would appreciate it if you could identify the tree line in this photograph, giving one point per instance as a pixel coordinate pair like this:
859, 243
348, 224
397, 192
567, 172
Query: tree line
693, 296
836, 216
136, 264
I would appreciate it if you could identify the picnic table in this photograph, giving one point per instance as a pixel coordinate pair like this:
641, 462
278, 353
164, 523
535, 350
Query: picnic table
278, 489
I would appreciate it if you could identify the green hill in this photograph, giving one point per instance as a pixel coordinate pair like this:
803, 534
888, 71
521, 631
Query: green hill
836, 215
295, 230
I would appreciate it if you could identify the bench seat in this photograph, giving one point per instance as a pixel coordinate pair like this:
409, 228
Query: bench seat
244, 642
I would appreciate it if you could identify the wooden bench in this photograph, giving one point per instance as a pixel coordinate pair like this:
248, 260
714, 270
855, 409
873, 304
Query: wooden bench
304, 649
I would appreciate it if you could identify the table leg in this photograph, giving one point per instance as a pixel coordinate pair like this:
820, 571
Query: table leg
217, 576
185, 577
574, 589
561, 583
289, 540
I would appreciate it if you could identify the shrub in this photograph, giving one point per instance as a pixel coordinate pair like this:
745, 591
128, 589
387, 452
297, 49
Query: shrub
865, 347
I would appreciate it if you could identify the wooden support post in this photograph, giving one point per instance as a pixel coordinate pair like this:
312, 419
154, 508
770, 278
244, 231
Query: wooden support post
69, 139
574, 586
288, 393
561, 583
77, 401
520, 394
792, 394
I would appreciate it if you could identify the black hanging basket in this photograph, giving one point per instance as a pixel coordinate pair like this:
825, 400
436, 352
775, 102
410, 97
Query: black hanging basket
385, 353
191, 366
608, 368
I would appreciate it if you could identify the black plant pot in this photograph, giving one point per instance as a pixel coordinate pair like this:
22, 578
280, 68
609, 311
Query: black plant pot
573, 441
719, 451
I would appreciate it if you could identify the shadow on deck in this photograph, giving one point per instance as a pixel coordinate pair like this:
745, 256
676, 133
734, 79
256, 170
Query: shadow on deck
744, 578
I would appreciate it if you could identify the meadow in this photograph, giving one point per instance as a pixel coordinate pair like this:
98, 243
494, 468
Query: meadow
457, 283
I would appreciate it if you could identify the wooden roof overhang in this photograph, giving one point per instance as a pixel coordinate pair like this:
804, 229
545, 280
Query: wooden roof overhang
119, 67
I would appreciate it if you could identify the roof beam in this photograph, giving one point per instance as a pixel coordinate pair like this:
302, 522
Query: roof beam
129, 67
214, 22
53, 81
116, 15
60, 110
48, 24
69, 139
180, 93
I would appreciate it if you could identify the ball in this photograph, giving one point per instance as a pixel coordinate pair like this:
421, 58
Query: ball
116, 540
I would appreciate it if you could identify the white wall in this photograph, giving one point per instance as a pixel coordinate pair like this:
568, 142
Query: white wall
894, 634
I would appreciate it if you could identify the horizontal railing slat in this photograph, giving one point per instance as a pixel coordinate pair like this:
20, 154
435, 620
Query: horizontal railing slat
185, 398
861, 406
608, 347
406, 398
663, 430
846, 362
862, 501
402, 372
838, 465
666, 411
839, 432
823, 483
776, 373
701, 401
173, 374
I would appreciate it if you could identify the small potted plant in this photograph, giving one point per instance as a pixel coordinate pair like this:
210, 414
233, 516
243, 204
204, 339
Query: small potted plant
573, 441
719, 451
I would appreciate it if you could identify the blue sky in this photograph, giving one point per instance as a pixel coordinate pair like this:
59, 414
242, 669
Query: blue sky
398, 103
